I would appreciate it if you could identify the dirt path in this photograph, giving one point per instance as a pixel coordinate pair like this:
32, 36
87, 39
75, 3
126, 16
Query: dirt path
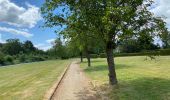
75, 86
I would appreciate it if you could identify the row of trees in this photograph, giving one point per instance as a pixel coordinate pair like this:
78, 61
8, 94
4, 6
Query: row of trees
14, 51
104, 23
14, 47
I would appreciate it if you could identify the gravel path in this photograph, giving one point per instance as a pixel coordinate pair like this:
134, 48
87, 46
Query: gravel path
75, 86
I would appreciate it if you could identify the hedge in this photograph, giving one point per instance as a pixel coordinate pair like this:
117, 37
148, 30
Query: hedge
161, 52
94, 55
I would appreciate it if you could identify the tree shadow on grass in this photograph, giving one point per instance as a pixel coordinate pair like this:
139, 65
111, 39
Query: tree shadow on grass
152, 88
105, 67
139, 89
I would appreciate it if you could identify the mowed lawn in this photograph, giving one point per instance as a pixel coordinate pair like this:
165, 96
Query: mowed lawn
29, 81
138, 79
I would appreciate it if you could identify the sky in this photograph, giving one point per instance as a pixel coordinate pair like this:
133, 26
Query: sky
22, 19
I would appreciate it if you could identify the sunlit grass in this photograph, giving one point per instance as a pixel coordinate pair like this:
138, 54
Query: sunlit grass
138, 79
29, 81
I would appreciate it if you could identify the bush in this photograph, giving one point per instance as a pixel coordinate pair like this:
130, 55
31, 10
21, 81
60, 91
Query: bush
9, 59
64, 57
35, 58
22, 58
103, 55
94, 56
164, 52
2, 60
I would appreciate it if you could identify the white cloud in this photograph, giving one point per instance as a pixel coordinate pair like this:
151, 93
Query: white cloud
43, 46
162, 8
51, 41
15, 15
15, 31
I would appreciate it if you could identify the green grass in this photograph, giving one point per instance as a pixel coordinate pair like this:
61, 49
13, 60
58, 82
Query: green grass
29, 81
138, 79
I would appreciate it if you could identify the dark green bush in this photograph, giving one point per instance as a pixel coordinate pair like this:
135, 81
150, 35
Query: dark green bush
36, 58
2, 60
94, 56
102, 55
162, 52
22, 58
64, 57
9, 59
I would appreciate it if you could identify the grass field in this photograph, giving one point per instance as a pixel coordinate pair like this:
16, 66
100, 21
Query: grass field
138, 79
29, 81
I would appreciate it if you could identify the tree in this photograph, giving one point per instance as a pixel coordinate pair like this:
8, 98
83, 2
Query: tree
28, 47
12, 47
110, 20
80, 40
165, 39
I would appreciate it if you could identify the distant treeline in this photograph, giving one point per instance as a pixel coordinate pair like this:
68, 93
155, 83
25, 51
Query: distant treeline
14, 52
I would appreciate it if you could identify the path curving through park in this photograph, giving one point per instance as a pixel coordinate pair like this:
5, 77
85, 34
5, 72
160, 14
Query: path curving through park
74, 86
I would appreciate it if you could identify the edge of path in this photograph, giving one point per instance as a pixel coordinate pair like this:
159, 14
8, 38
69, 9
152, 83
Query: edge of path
49, 94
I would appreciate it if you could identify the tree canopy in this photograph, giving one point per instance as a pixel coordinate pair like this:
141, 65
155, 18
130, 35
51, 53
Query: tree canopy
108, 21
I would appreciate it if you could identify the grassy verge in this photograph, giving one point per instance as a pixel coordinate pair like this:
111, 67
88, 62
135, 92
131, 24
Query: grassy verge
29, 81
138, 79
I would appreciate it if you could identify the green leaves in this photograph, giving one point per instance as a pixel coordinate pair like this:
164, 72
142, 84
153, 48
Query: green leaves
103, 19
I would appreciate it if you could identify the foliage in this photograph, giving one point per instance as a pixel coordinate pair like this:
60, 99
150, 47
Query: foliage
12, 47
94, 55
9, 59
2, 60
160, 52
164, 52
109, 21
35, 58
14, 51
28, 47
103, 55
22, 58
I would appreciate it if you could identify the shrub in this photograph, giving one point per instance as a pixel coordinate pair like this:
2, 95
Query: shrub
94, 56
9, 59
103, 55
64, 57
35, 58
22, 58
164, 52
2, 60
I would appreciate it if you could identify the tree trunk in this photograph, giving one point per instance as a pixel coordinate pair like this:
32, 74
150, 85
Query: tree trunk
111, 64
88, 58
81, 56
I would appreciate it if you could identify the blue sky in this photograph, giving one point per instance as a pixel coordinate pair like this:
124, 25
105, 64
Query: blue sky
22, 19
9, 28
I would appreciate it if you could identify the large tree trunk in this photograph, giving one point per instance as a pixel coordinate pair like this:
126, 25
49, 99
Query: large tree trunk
88, 58
81, 56
111, 64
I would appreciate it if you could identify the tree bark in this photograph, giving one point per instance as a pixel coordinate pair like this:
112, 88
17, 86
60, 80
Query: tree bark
88, 58
81, 56
111, 64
